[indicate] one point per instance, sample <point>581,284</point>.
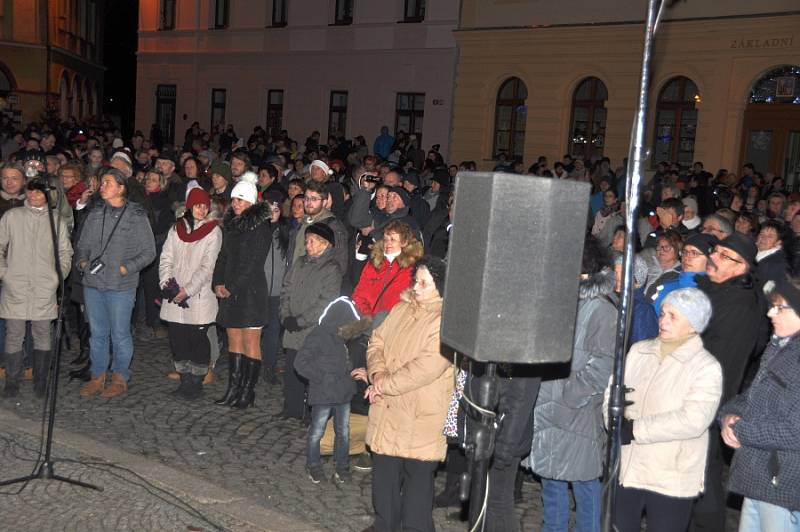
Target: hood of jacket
<point>8,197</point>
<point>339,312</point>
<point>598,284</point>
<point>409,255</point>
<point>430,305</point>
<point>251,218</point>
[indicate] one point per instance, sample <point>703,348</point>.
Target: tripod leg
<point>77,483</point>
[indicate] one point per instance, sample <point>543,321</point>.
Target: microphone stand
<point>636,160</point>
<point>44,470</point>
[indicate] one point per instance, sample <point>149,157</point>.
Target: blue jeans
<point>760,516</point>
<point>555,499</point>
<point>271,335</point>
<point>109,313</point>
<point>341,427</point>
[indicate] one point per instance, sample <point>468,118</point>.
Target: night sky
<point>119,55</point>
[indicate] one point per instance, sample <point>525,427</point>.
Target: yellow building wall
<point>724,57</point>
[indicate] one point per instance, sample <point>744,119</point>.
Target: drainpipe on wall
<point>455,77</point>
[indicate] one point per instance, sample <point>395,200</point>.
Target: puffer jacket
<point>240,267</point>
<point>324,359</point>
<point>191,264</point>
<point>26,263</point>
<point>382,282</point>
<point>568,435</point>
<point>309,285</point>
<point>132,245</point>
<point>767,465</point>
<point>417,383</point>
<point>674,401</point>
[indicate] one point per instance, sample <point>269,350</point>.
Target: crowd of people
<point>323,266</point>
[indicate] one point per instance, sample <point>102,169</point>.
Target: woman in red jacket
<point>388,272</point>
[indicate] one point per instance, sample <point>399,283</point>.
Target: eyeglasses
<point>726,256</point>
<point>665,247</point>
<point>692,253</point>
<point>778,308</point>
<point>312,198</point>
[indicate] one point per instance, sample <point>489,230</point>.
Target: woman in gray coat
<point>568,435</point>
<point>312,282</point>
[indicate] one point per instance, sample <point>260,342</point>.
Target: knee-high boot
<point>13,374</point>
<point>247,395</point>
<point>234,379</point>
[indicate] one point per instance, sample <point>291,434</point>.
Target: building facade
<point>51,56</point>
<point>335,66</point>
<point>548,78</point>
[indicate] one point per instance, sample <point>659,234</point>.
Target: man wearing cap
<point>438,192</point>
<point>30,283</point>
<point>417,207</point>
<point>221,178</point>
<point>735,333</point>
<point>316,204</point>
<point>694,260</point>
<point>397,207</point>
<point>670,217</point>
<point>322,173</point>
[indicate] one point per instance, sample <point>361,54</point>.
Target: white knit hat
<point>244,190</point>
<point>321,165</point>
<point>693,305</point>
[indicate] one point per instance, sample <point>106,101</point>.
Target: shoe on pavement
<point>342,477</point>
<point>117,387</point>
<point>316,474</point>
<point>28,374</point>
<point>363,463</point>
<point>94,386</point>
<point>3,373</point>
<point>174,376</point>
<point>209,378</point>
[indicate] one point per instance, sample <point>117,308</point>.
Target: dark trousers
<point>708,513</point>
<point>151,294</point>
<point>294,388</point>
<point>271,335</point>
<point>500,514</point>
<point>664,513</point>
<point>191,349</point>
<point>402,494</point>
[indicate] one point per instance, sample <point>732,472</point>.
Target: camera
<point>96,266</point>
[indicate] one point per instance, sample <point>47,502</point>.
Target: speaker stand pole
<point>480,446</point>
<point>45,469</point>
<point>636,160</point>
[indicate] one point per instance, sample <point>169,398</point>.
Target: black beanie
<point>743,245</point>
<point>400,191</point>
<point>705,243</point>
<point>323,231</point>
<point>436,267</point>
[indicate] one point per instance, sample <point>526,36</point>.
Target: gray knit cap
<point>639,268</point>
<point>693,305</point>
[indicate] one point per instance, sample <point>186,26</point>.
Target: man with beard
<point>317,203</point>
<point>735,333</point>
<point>240,163</point>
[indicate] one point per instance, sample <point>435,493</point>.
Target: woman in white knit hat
<point>676,388</point>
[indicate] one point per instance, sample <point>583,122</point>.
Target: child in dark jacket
<point>324,361</point>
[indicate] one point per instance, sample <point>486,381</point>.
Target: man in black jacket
<point>736,332</point>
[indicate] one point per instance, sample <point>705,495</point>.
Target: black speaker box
<point>511,293</point>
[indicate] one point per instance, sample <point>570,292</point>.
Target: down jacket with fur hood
<point>240,267</point>
<point>568,434</point>
<point>382,281</point>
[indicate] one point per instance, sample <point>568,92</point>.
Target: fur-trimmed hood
<point>250,219</point>
<point>431,305</point>
<point>410,254</point>
<point>598,284</point>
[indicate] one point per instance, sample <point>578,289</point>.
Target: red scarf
<point>74,194</point>
<point>198,234</point>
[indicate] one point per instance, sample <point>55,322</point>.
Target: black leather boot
<point>41,370</point>
<point>247,397</point>
<point>82,374</point>
<point>13,374</point>
<point>234,379</point>
<point>181,389</point>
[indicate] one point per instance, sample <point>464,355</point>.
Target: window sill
<point>277,25</point>
<point>342,23</point>
<point>415,20</point>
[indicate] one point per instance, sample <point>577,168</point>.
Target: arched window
<point>781,85</point>
<point>588,123</point>
<point>676,122</point>
<point>510,115</point>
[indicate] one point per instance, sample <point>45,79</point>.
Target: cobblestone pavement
<point>252,453</point>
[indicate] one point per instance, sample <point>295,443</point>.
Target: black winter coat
<point>767,466</point>
<point>324,360</point>
<point>772,267</point>
<point>240,267</point>
<point>737,328</point>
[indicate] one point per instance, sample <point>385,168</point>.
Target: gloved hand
<point>290,324</point>
<point>626,434</point>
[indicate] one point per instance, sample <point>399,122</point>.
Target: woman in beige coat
<point>189,305</point>
<point>677,386</point>
<point>411,385</point>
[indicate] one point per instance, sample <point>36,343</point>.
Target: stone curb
<point>204,493</point>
